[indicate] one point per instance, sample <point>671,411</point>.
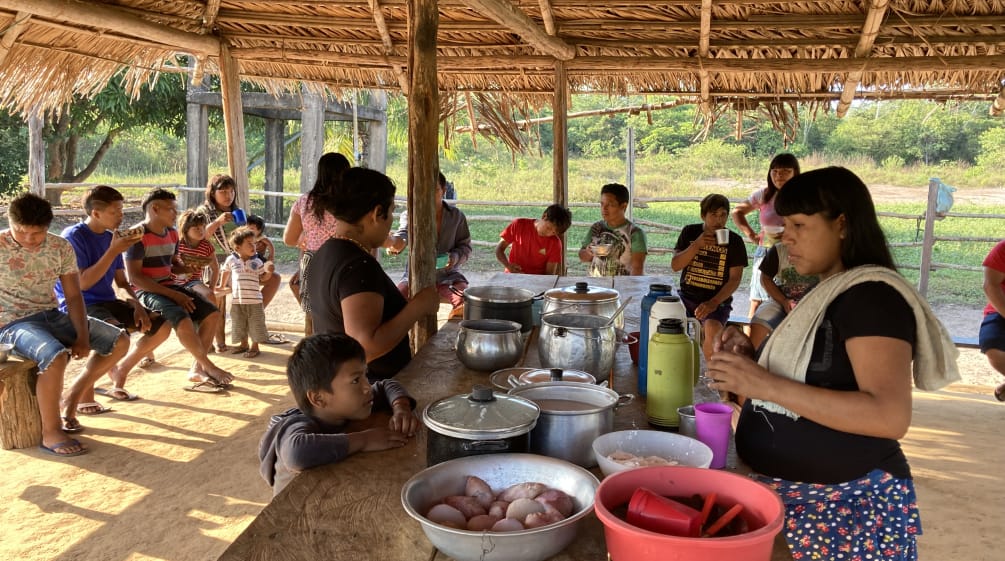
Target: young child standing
<point>244,273</point>
<point>535,246</point>
<point>711,272</point>
<point>327,376</point>
<point>196,253</point>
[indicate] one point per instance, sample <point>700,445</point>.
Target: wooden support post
<point>275,130</point>
<point>20,422</point>
<point>196,146</point>
<point>312,138</point>
<point>36,154</point>
<point>423,153</point>
<point>929,238</point>
<point>233,120</point>
<point>559,153</point>
<point>376,150</point>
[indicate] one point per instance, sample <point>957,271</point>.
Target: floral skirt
<point>874,517</point>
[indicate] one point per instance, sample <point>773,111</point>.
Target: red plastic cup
<point>656,513</point>
<point>633,348</point>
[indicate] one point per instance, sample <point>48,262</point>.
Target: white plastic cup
<point>722,236</point>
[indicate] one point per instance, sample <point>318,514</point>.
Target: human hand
<point>80,348</point>
<point>224,218</point>
<point>382,438</point>
<point>756,237</point>
<point>732,340</point>
<point>185,301</point>
<point>707,239</point>
<point>789,305</point>
<point>513,267</point>
<point>739,374</point>
<point>141,318</point>
<point>122,243</point>
<point>404,421</point>
<point>7,240</point>
<point>428,300</point>
<point>703,309</point>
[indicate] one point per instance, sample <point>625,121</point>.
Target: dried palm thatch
<point>767,54</point>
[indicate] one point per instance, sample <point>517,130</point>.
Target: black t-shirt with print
<point>705,275</point>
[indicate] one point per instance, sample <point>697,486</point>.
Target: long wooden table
<point>352,510</point>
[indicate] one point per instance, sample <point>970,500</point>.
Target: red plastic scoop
<point>656,513</point>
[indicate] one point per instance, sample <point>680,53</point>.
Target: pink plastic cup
<point>713,422</point>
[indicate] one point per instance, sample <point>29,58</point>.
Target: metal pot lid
<point>583,292</point>
<point>595,396</point>
<point>498,294</point>
<point>481,415</point>
<point>562,375</point>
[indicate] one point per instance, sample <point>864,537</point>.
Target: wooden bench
<point>20,421</point>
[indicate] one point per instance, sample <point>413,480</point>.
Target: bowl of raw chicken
<point>500,507</point>
<point>630,449</point>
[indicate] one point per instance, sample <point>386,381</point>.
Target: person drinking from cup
<point>829,394</point>
<point>711,259</point>
<point>614,246</point>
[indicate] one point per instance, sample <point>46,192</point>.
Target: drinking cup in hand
<point>722,236</point>
<point>713,423</point>
<point>239,217</point>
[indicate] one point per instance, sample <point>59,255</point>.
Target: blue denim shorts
<point>173,312</point>
<point>43,336</point>
<point>720,314</point>
<point>992,333</point>
<point>769,314</point>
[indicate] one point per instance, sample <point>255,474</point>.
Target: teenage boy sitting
<point>98,247</point>
<point>535,246</point>
<point>149,265</point>
<point>31,261</point>
<point>711,272</point>
<point>327,375</point>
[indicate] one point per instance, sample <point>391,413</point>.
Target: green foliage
<point>14,148</point>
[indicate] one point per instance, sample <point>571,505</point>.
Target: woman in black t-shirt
<point>830,394</point>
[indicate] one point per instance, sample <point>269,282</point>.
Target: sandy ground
<point>174,476</point>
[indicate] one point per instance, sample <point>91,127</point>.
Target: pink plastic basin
<point>762,509</point>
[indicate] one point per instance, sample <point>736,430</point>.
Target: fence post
<point>929,239</point>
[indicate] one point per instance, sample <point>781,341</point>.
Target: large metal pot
<point>583,298</point>
<point>572,416</point>
<point>500,302</point>
<point>489,344</point>
<point>578,342</point>
<point>481,422</point>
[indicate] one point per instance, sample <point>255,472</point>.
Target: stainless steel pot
<point>572,416</point>
<point>578,342</point>
<point>481,422</point>
<point>583,298</point>
<point>500,302</point>
<point>489,344</point>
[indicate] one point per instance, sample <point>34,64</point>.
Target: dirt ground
<point>173,476</point>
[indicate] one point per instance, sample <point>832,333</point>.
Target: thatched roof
<point>716,51</point>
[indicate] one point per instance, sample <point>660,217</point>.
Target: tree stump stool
<point>20,421</point>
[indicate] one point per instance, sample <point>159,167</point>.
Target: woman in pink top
<point>309,226</point>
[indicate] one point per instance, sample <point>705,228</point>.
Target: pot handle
<point>624,399</point>
<point>624,337</point>
<point>486,446</point>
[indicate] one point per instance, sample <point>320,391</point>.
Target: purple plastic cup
<point>239,217</point>
<point>713,423</point>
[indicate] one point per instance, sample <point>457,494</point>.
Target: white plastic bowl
<point>685,450</point>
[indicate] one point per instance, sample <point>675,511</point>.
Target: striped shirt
<point>157,252</point>
<point>203,250</point>
<point>244,279</point>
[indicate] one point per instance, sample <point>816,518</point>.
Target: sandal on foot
<point>222,348</point>
<point>239,350</point>
<point>1000,393</point>
<point>276,339</point>
<point>72,425</point>
<point>116,393</point>
<point>251,354</point>
<point>54,450</point>
<point>147,362</point>
<point>95,407</point>
<point>206,386</point>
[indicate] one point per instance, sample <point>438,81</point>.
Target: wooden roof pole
<point>510,16</point>
<point>423,154</point>
<point>385,39</point>
<point>104,17</point>
<point>703,40</point>
<point>548,16</point>
<point>233,121</point>
<point>10,36</point>
<point>560,150</point>
<point>873,21</point>
<point>209,15</point>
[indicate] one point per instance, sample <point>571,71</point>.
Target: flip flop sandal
<point>239,350</point>
<point>54,450</point>
<point>72,425</point>
<point>251,354</point>
<point>205,386</point>
<point>147,362</point>
<point>222,348</point>
<point>92,405</point>
<point>276,339</point>
<point>117,394</point>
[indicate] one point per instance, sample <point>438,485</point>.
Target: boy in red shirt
<point>536,244</point>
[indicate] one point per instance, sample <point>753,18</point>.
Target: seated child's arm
<point>503,259</point>
<point>389,393</point>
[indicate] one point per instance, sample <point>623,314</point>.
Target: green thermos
<point>670,373</point>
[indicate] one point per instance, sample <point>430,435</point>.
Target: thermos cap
<point>668,299</point>
<point>671,326</point>
<point>660,288</point>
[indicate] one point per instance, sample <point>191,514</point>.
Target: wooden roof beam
<point>548,17</point>
<point>505,13</point>
<point>388,44</point>
<point>105,17</point>
<point>873,21</point>
<point>703,41</point>
<point>209,15</point>
<point>11,34</point>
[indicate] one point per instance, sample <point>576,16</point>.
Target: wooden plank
<point>507,14</point>
<point>233,120</point>
<point>870,30</point>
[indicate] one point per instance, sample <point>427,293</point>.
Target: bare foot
<point>219,375</point>
<point>252,352</point>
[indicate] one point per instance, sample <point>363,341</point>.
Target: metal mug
<point>687,427</point>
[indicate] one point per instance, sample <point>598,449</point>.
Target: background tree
<point>14,152</point>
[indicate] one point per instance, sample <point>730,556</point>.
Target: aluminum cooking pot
<point>500,302</point>
<point>489,344</point>
<point>572,416</point>
<point>583,298</point>
<point>579,342</point>
<point>482,422</point>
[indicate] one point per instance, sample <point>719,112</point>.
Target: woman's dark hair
<point>28,209</point>
<point>315,362</point>
<point>330,169</point>
<point>834,191</point>
<point>358,192</point>
<point>780,161</point>
<point>217,182</point>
